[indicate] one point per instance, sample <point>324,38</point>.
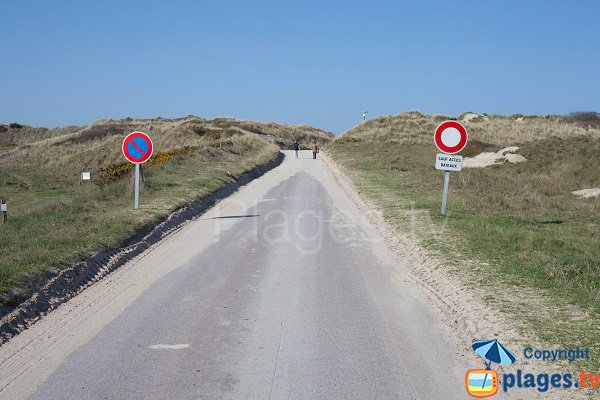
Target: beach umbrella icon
<point>493,351</point>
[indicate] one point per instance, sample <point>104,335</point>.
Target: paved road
<point>281,292</point>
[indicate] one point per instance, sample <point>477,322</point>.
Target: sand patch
<point>587,193</point>
<point>469,116</point>
<point>474,117</point>
<point>169,346</point>
<point>508,154</point>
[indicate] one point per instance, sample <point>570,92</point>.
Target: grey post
<point>4,209</point>
<point>445,195</point>
<point>136,203</point>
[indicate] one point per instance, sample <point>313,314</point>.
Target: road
<point>281,291</point>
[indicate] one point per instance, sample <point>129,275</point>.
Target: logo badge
<point>481,382</point>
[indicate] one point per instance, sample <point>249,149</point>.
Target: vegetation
<point>584,118</point>
<point>54,221</point>
<point>521,220</point>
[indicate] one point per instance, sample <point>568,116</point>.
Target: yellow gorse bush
<point>116,171</point>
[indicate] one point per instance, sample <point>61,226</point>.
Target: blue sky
<point>315,62</point>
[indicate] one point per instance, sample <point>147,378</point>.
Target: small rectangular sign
<point>3,208</point>
<point>448,162</point>
<point>85,176</point>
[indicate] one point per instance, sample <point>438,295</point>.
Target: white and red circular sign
<point>137,147</point>
<point>450,137</point>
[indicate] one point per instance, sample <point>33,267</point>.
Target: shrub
<point>114,172</point>
<point>14,125</point>
<point>208,133</point>
<point>95,132</point>
<point>585,118</point>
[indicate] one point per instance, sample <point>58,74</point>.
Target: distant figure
<point>365,115</point>
<point>315,150</point>
<point>296,147</point>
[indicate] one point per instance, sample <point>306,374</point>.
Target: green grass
<point>522,216</point>
<point>521,220</point>
<point>54,223</point>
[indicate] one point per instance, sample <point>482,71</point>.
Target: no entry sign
<point>450,137</point>
<point>137,147</point>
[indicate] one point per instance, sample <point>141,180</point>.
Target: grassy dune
<point>521,220</point>
<point>54,221</point>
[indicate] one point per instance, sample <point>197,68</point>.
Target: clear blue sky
<point>315,62</point>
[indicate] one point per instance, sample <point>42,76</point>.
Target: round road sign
<point>137,147</point>
<point>450,137</point>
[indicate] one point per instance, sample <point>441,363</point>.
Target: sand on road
<point>282,290</point>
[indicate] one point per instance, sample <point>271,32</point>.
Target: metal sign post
<point>137,148</point>
<point>445,194</point>
<point>136,201</point>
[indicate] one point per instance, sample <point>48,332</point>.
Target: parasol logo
<point>483,383</point>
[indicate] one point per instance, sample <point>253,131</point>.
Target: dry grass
<point>11,136</point>
<point>416,128</point>
<point>284,134</point>
<point>96,147</point>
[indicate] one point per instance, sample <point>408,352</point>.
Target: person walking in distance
<point>315,150</point>
<point>296,147</point>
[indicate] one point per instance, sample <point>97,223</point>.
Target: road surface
<point>281,291</point>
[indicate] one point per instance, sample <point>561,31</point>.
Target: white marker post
<point>4,211</point>
<point>85,176</point>
<point>450,137</point>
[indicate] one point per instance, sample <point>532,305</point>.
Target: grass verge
<point>53,221</point>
